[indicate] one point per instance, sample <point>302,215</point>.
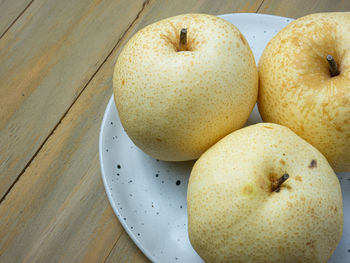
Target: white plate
<point>149,196</point>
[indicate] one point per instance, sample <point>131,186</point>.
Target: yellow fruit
<point>175,104</point>
<point>297,90</point>
<point>235,216</point>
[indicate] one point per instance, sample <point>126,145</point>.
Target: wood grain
<point>163,9</point>
<point>58,210</point>
<point>139,257</point>
<point>298,8</point>
<point>47,58</point>
<point>10,10</point>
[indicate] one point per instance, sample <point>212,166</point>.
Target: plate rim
<point>103,125</point>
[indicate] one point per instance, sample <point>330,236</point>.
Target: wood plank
<point>47,57</point>
<point>83,222</point>
<point>10,11</point>
<point>298,8</point>
<point>139,256</point>
<point>164,9</point>
<point>58,210</point>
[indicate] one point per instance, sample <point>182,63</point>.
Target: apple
<point>183,83</point>
<point>304,76</point>
<point>263,194</point>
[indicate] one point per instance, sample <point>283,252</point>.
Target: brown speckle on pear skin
<point>311,244</point>
<point>313,164</point>
<point>298,178</point>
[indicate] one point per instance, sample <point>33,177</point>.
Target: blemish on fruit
<point>159,140</point>
<point>313,164</point>
<point>248,190</point>
<point>267,127</point>
<point>311,244</point>
<point>298,178</point>
<point>282,162</point>
<point>123,82</point>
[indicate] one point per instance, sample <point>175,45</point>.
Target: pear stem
<point>183,39</point>
<point>333,68</point>
<point>277,184</point>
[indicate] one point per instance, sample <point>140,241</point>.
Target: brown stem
<point>277,184</point>
<point>333,68</point>
<point>183,39</point>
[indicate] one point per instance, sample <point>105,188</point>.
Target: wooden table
<point>56,63</point>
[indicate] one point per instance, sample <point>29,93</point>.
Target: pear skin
<point>175,102</point>
<point>297,89</point>
<point>238,213</point>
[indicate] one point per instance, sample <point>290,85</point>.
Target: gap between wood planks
<point>257,10</point>
<point>14,21</point>
<point>144,4</point>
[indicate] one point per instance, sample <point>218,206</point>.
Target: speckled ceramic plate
<point>149,196</point>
